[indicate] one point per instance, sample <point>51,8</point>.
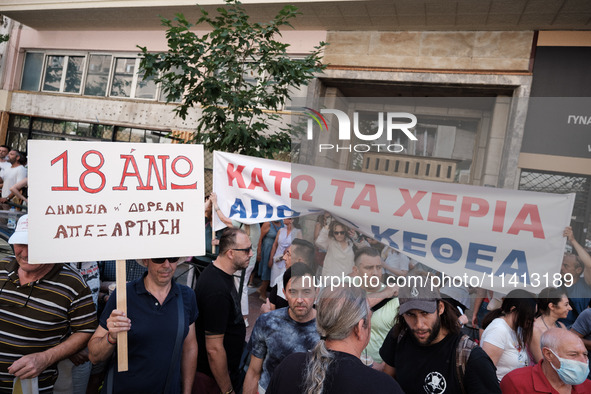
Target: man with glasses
<point>46,315</point>
<point>160,321</point>
<point>220,326</point>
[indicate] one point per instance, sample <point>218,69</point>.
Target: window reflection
<point>97,76</point>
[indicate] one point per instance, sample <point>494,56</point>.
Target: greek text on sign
<point>103,201</point>
<point>456,229</point>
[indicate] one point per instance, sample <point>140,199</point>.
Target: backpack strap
<point>380,304</point>
<point>463,351</point>
<point>177,342</point>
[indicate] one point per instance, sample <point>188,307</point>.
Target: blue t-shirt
<point>151,338</point>
<point>275,336</point>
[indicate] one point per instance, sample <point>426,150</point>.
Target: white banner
<point>495,238</point>
<point>107,201</point>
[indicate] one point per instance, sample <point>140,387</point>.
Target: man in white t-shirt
<point>395,263</point>
<point>4,154</point>
<point>11,175</point>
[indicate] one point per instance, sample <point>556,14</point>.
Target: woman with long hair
<point>333,366</point>
<point>553,304</point>
<point>507,331</point>
<point>282,241</point>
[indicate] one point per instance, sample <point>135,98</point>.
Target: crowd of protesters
<point>62,319</point>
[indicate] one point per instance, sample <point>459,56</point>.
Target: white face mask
<point>571,372</point>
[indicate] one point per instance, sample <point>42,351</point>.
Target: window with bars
<point>21,128</point>
<point>561,183</point>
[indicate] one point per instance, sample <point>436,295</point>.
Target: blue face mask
<point>571,372</point>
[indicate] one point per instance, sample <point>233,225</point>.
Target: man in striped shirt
<point>46,315</point>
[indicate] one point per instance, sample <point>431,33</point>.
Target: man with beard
<point>300,251</point>
<point>220,326</point>
<point>12,174</point>
<point>427,332</point>
<point>284,331</point>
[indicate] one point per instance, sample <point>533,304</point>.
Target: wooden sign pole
<point>122,306</point>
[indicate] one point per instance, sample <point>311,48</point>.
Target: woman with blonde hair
<point>335,239</point>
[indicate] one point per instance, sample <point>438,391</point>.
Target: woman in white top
<point>282,241</point>
<point>553,304</point>
<point>508,330</point>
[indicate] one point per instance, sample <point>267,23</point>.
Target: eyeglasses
<point>245,250</point>
<point>171,260</point>
<point>338,232</point>
<point>10,303</point>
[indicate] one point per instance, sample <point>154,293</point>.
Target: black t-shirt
<point>277,300</point>
<point>432,369</point>
<point>219,313</point>
<point>346,374</point>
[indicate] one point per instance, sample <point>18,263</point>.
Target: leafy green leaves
<point>238,73</point>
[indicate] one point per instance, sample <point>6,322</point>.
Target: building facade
<point>469,71</point>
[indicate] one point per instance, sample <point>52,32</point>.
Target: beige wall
<point>154,40</point>
<point>501,51</point>
<point>564,38</point>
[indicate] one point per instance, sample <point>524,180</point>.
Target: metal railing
<point>429,168</point>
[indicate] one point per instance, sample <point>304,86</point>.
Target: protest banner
<point>498,239</point>
<point>243,183</point>
<point>93,201</point>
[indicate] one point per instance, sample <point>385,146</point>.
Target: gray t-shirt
<point>275,336</point>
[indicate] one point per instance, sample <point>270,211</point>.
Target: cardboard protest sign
<point>499,239</point>
<point>106,201</point>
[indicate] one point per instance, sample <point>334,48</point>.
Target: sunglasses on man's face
<point>171,260</point>
<point>245,250</point>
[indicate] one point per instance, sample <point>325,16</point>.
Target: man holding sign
<point>40,305</point>
<point>162,341</point>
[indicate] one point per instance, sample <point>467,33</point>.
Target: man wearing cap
<point>427,332</point>
<point>160,322</point>
<point>46,315</point>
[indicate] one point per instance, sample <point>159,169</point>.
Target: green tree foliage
<point>3,37</point>
<point>239,73</point>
